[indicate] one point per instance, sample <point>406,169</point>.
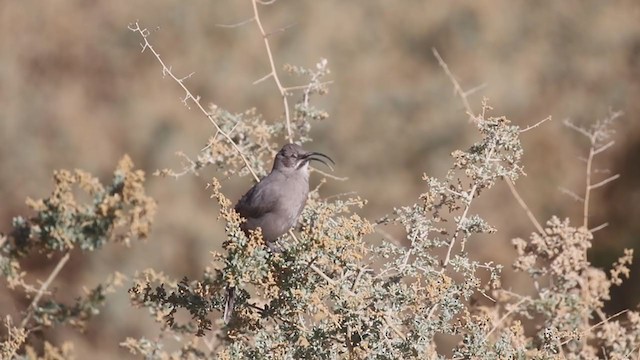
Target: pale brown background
<point>75,92</point>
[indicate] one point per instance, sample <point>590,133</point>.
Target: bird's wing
<point>259,200</point>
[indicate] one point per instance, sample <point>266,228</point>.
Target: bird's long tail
<point>228,306</point>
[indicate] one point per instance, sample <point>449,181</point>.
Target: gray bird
<point>275,203</point>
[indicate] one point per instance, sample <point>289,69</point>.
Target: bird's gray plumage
<point>275,203</point>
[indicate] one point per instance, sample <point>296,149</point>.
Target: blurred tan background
<point>75,92</point>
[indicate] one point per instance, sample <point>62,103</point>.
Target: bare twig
<point>459,227</point>
<point>475,89</point>
<point>43,288</point>
<point>505,316</point>
<point>571,194</point>
<point>318,271</point>
<point>274,74</point>
<point>600,323</point>
<point>282,29</point>
<point>603,147</point>
<point>330,280</point>
<point>238,24</point>
<point>536,124</point>
<point>144,33</point>
<point>604,182</point>
<point>599,227</point>
<point>335,196</point>
<point>263,78</point>
<point>456,85</point>
<point>587,192</point>
<point>361,271</point>
<point>524,206</point>
<point>463,97</point>
<point>393,327</point>
<point>580,130</point>
<point>329,175</point>
<point>322,275</point>
<point>596,135</point>
<point>304,87</point>
<point>486,296</point>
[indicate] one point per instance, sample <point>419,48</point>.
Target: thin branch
<point>604,182</point>
<point>432,311</point>
<point>600,323</point>
<point>455,192</point>
<point>322,275</point>
<point>505,316</point>
<point>536,124</point>
<point>571,194</point>
<point>326,277</point>
<point>329,175</point>
<point>460,222</point>
<point>335,196</point>
<point>282,29</point>
<point>524,206</point>
<point>628,354</point>
<point>393,327</point>
<point>456,85</point>
<point>213,139</point>
<point>187,77</point>
<point>601,171</point>
<point>281,89</point>
<point>304,87</point>
<point>188,95</point>
<point>595,136</point>
<point>599,227</point>
<point>603,147</point>
<point>463,97</point>
<point>587,192</point>
<point>263,78</point>
<point>361,271</point>
<point>238,24</point>
<point>487,296</point>
<point>580,130</point>
<point>330,280</point>
<point>405,262</point>
<point>475,89</point>
<point>317,270</point>
<point>43,288</point>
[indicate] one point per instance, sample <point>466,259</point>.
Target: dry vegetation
<point>372,278</point>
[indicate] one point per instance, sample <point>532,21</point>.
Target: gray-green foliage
<point>342,287</point>
<point>62,222</point>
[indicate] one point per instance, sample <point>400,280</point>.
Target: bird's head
<point>292,158</point>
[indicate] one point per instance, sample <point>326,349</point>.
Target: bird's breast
<point>293,200</point>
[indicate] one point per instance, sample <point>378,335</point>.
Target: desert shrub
<point>118,212</point>
<point>342,287</point>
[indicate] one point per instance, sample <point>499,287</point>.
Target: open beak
<point>319,157</point>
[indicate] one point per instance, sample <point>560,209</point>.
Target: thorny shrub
<point>119,212</point>
<point>341,288</point>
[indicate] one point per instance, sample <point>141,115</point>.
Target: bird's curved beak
<point>319,157</point>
